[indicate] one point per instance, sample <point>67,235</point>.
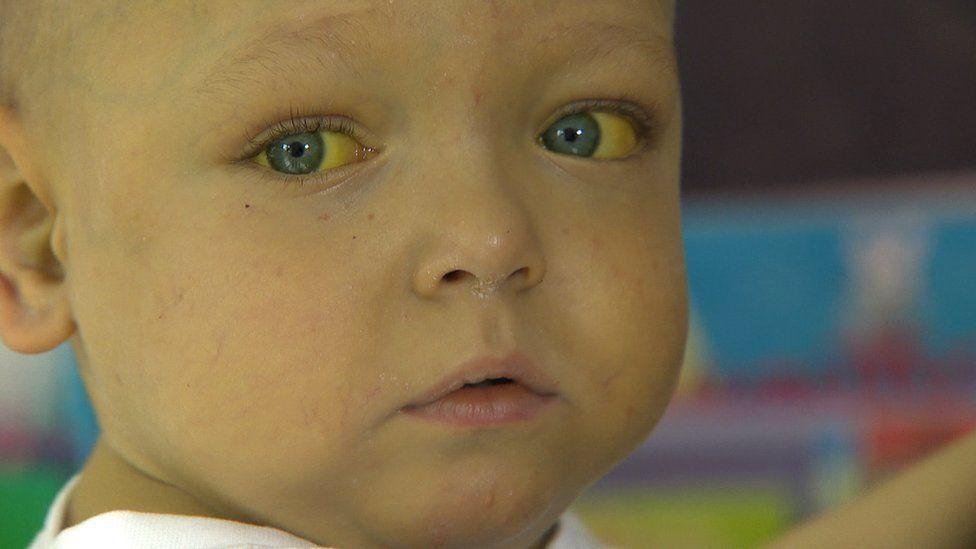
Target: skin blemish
<point>305,413</point>
<point>597,243</point>
<point>639,284</point>
<point>372,393</point>
<point>369,216</point>
<point>247,205</point>
<point>220,348</point>
<point>477,95</point>
<point>325,216</point>
<point>174,303</point>
<point>495,9</point>
<point>629,412</point>
<point>610,379</point>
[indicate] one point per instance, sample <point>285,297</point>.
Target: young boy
<point>350,273</point>
<point>281,237</point>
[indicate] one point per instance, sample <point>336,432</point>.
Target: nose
<point>505,261</point>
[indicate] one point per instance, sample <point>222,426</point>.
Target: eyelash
<point>300,121</point>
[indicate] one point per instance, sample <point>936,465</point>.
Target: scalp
<point>33,39</point>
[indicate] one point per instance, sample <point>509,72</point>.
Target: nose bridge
<point>465,153</point>
<point>481,235</point>
<point>482,227</point>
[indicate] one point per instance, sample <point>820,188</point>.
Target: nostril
<point>453,275</point>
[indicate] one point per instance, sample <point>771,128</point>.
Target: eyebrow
<point>327,42</point>
<point>339,44</point>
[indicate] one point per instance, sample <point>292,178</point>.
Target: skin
<point>247,346</point>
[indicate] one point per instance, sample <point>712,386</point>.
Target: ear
<point>35,315</point>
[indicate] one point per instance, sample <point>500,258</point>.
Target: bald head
<point>35,40</point>
<point>40,42</point>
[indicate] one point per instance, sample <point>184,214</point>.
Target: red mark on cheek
<point>496,10</point>
<point>305,413</point>
<point>369,216</point>
<point>220,348</point>
<point>611,379</point>
<point>174,303</point>
<point>597,243</point>
<point>372,393</point>
<point>477,95</point>
<point>325,216</point>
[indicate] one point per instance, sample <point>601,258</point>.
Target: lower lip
<point>483,406</point>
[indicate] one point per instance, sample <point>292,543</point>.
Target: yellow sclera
<point>340,149</point>
<point>617,135</point>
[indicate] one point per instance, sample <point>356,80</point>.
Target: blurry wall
<point>784,93</point>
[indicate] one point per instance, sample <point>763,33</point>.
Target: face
<point>273,248</point>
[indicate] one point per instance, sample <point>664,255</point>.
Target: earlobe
<point>35,314</point>
<point>34,325</point>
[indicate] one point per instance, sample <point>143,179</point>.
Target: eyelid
<point>646,123</point>
<point>301,124</point>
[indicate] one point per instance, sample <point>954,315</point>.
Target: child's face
<point>253,341</point>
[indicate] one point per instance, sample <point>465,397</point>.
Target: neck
<point>109,482</point>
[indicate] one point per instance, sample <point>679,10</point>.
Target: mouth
<point>487,392</point>
<point>490,382</point>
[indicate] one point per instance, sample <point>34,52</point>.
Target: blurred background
<point>829,177</point>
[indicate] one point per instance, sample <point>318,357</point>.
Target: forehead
<point>221,46</point>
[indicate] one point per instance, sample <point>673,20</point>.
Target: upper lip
<point>516,366</point>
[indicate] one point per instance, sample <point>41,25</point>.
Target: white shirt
<point>134,529</point>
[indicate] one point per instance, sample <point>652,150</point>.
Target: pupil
<point>297,148</point>
<point>571,134</point>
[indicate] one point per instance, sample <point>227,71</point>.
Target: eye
<point>597,133</point>
<point>304,147</point>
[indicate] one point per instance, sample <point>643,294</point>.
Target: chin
<point>486,509</point>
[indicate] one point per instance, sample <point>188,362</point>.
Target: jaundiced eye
<point>593,134</point>
<point>304,153</point>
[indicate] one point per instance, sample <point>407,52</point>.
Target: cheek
<point>650,326</point>
<point>239,346</point>
<point>635,332</point>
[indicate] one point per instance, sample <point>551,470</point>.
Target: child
<point>281,236</point>
<point>351,273</point>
